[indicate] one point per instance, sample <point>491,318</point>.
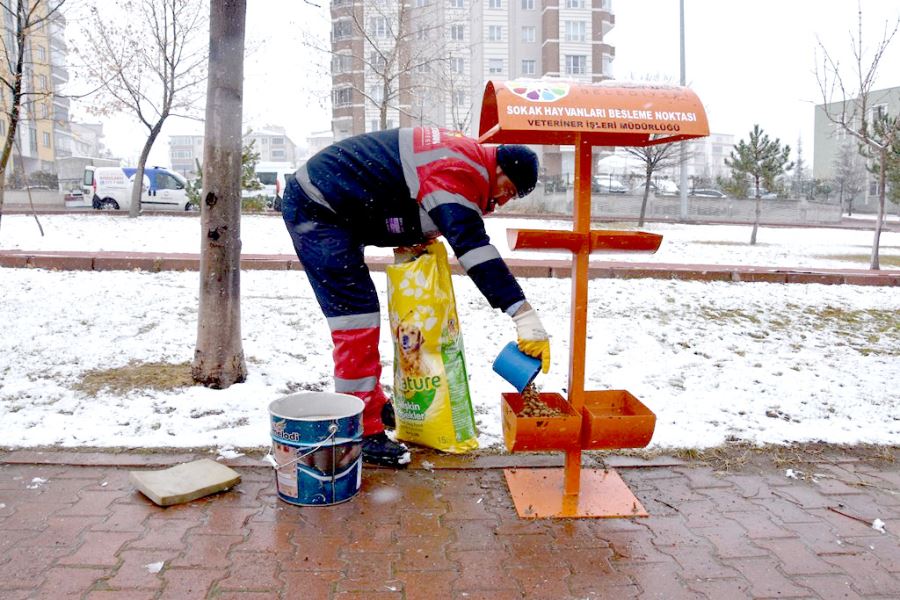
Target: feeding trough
<point>583,115</point>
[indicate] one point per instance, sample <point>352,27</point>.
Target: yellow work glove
<point>533,338</point>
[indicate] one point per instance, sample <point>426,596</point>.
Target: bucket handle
<point>332,431</point>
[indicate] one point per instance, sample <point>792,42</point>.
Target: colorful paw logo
<point>538,91</point>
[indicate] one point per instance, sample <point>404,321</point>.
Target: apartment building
<point>43,131</point>
<point>271,143</point>
<point>830,139</point>
<point>63,141</point>
<point>185,152</point>
<point>425,62</point>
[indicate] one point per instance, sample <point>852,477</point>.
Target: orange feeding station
<point>582,115</point>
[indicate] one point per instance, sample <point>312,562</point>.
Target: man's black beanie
<point>520,164</point>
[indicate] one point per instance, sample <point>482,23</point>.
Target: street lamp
<point>683,148</point>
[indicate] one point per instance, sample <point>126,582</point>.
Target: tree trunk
<point>219,356</point>
<point>137,189</point>
<point>756,215</point>
<point>879,221</point>
<point>644,201</point>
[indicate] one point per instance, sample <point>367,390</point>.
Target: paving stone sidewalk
<point>71,526</point>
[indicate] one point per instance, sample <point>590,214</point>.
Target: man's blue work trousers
<point>334,263</point>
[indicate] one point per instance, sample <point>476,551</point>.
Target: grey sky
<point>749,62</point>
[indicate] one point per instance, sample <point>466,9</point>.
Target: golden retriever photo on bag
<point>409,340</point>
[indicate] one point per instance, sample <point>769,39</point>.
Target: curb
<point>561,269</point>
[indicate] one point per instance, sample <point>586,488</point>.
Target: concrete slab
<point>185,482</point>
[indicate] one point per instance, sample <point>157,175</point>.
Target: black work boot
<point>379,449</point>
<point>387,415</point>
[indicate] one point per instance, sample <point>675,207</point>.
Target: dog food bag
<point>431,387</point>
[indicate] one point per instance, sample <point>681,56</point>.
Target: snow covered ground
<point>766,363</point>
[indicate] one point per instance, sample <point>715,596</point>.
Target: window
<point>457,4</point>
<point>457,65</point>
<point>422,34</point>
<point>494,4</point>
<point>421,3</point>
<point>527,4</point>
<point>377,61</point>
<point>278,154</point>
<point>459,98</point>
<point>574,3</point>
<point>182,154</point>
<point>495,33</point>
<point>457,33</point>
<point>341,63</point>
<point>342,30</point>
<point>574,31</point>
<point>495,65</point>
<point>41,53</point>
<point>378,27</point>
<point>343,96</point>
<point>528,67</point>
<point>528,33</point>
<point>46,137</point>
<point>576,64</point>
<point>45,112</point>
<point>42,82</point>
<point>879,112</point>
<point>164,181</point>
<point>278,141</point>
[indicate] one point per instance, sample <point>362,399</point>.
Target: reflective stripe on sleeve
<point>475,257</point>
<point>347,322</point>
<point>309,188</point>
<point>363,384</point>
<point>407,161</point>
<point>440,197</point>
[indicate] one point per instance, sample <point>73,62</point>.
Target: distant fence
<point>42,198</point>
<point>628,207</point>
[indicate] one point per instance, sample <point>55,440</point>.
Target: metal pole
<point>683,149</point>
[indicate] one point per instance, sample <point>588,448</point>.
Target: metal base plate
<point>538,494</point>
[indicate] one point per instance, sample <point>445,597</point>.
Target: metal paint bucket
<point>316,447</point>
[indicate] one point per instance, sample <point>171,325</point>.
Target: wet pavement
<point>750,525</point>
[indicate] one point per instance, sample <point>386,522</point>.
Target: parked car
<point>110,188</point>
<point>764,194</point>
<point>661,188</point>
<point>606,185</point>
<point>705,193</point>
<point>273,177</point>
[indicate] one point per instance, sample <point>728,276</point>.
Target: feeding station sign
<point>583,115</point>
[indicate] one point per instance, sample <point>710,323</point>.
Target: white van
<point>272,175</point>
<point>110,188</point>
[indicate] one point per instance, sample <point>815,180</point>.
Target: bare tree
<point>403,55</point>
<point>654,158</point>
<point>151,63</point>
<point>23,22</point>
<point>219,356</point>
<point>849,106</point>
<point>849,175</point>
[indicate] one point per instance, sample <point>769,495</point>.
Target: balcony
<point>607,21</point>
<point>60,75</point>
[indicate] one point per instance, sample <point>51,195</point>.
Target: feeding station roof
<point>568,113</point>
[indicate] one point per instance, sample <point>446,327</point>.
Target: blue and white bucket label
<point>317,443</point>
